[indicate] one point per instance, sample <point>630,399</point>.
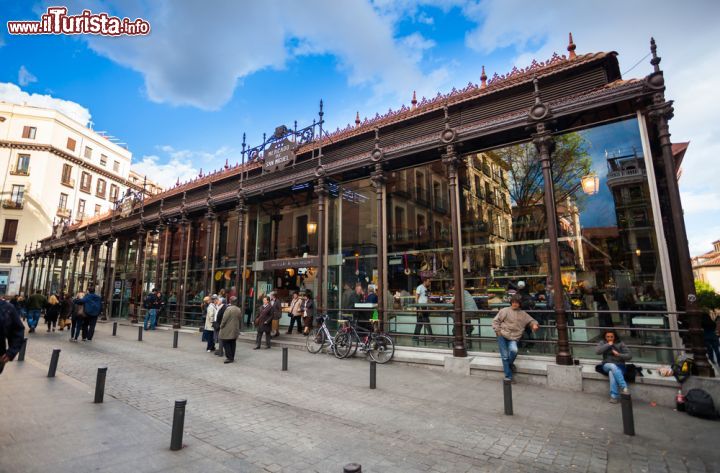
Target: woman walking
<point>78,315</point>
<point>66,309</point>
<point>52,312</point>
<point>308,311</point>
<point>615,354</point>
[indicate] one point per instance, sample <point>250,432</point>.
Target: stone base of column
<point>458,365</point>
<point>566,378</point>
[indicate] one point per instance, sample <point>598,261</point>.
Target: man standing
<point>92,305</point>
<point>509,325</point>
<point>263,321</point>
<point>12,330</point>
<point>230,329</point>
<point>276,312</point>
<point>423,317</point>
<point>35,304</point>
<point>152,302</point>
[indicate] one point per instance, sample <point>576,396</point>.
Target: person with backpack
<point>151,304</point>
<point>614,355</point>
<point>93,306</point>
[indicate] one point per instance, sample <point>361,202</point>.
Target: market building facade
<point>557,182</point>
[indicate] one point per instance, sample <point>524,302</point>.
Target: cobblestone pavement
<point>320,415</point>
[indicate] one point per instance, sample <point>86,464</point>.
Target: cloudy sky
<point>182,97</point>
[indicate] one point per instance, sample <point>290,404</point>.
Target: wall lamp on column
<point>311,228</point>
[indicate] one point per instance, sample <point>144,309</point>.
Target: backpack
<point>93,305</point>
<point>699,403</point>
<point>682,368</point>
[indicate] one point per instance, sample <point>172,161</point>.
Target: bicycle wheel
<point>315,340</point>
<point>382,349</point>
<point>343,345</point>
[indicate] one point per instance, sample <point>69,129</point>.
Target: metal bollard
<point>178,424</point>
<point>21,355</point>
<point>627,414</point>
<point>53,363</point>
<point>507,396</point>
<point>352,468</point>
<point>140,329</point>
<point>175,338</point>
<point>373,384</point>
<point>114,329</point>
<point>100,385</point>
<point>284,358</point>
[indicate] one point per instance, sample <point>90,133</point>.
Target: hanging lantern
<point>590,183</point>
<point>311,228</point>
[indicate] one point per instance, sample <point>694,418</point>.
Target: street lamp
<point>311,228</point>
<point>590,183</point>
<point>19,257</point>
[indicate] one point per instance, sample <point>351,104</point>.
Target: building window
<point>85,182</point>
<point>100,191</point>
<point>98,209</point>
<point>62,205</point>
<point>10,231</point>
<point>5,255</point>
<point>81,209</point>
<point>22,166</point>
<point>71,143</point>
<point>88,152</point>
<point>103,160</point>
<point>29,132</point>
<point>116,166</point>
<point>66,176</point>
<point>114,192</point>
<point>18,192</point>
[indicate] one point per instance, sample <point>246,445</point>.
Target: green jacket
<point>36,302</point>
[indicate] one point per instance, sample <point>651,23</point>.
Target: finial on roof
<point>655,61</point>
<point>571,48</point>
<point>177,183</point>
<point>201,173</point>
<point>227,166</point>
<point>483,78</point>
<point>357,118</point>
<point>414,100</point>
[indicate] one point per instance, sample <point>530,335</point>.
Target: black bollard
<point>284,358</point>
<point>352,467</point>
<point>114,329</point>
<point>627,414</point>
<point>373,384</point>
<point>507,396</point>
<point>100,385</point>
<point>175,338</point>
<point>178,425</point>
<point>53,363</point>
<point>140,329</point>
<point>21,355</point>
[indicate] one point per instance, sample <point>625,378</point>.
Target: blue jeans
<point>150,319</point>
<point>617,379</point>
<point>33,317</point>
<point>508,353</point>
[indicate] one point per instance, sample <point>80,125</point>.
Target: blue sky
<point>182,97</point>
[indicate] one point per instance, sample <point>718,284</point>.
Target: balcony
<point>19,172</point>
<point>69,182</point>
<point>63,213</point>
<point>626,176</point>
<point>12,204</point>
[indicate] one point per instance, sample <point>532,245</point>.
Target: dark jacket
<point>605,349</point>
<point>276,309</point>
<point>309,308</point>
<point>230,326</point>
<point>52,311</point>
<point>219,317</point>
<point>12,330</point>
<point>36,302</point>
<point>264,317</point>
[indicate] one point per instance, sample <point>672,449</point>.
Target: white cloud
<point>699,202</point>
<point>25,77</point>
<point>182,164</point>
<point>10,92</point>
<point>197,51</point>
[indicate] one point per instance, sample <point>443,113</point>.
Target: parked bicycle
<point>319,337</point>
<point>379,346</point>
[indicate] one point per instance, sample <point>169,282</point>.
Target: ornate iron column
<point>28,278</point>
<point>182,283</point>
<point>452,163</point>
<point>168,256</point>
<point>378,179</point>
<point>544,143</point>
<point>38,283</point>
<point>160,267</point>
<point>660,112</point>
<point>49,273</point>
<point>107,278</point>
<point>86,252</point>
<point>95,255</point>
<point>140,268</point>
<point>63,269</point>
<point>24,261</point>
<point>322,191</point>
<point>209,232</point>
<point>239,276</point>
<point>71,288</point>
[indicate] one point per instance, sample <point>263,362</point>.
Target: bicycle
<point>379,346</point>
<point>318,337</point>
